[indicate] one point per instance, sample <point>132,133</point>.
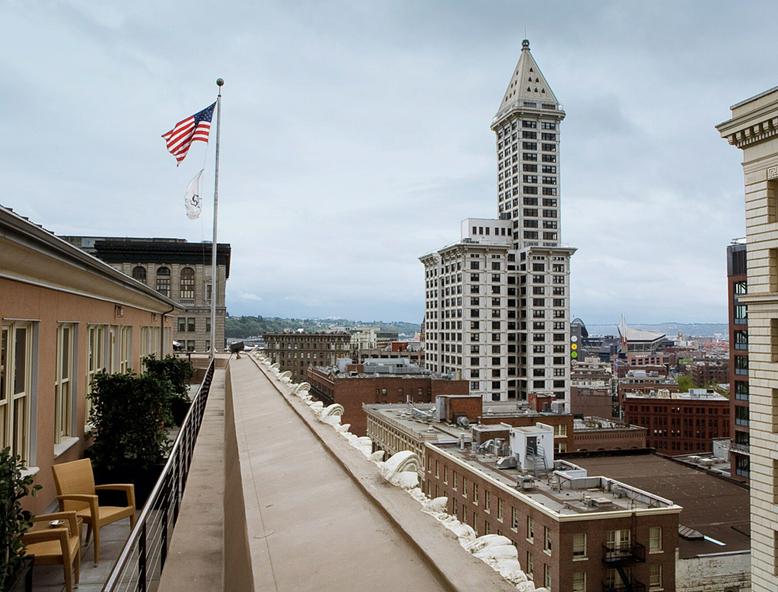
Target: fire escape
<point>621,556</point>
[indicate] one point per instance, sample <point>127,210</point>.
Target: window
<point>654,576</point>
<point>579,581</point>
<point>139,273</point>
<point>499,509</point>
<point>15,386</point>
<point>487,501</point>
<point>181,324</point>
<point>190,324</point>
<point>475,493</point>
<point>547,575</point>
<point>530,529</point>
<point>125,348</point>
<point>514,518</point>
<point>655,539</point>
<point>547,539</point>
<point>163,281</point>
<point>529,565</point>
<point>63,383</point>
<point>187,284</point>
<point>579,545</point>
<point>95,359</point>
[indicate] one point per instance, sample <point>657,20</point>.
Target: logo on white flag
<point>192,197</point>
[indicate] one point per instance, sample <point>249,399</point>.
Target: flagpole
<point>214,285</point>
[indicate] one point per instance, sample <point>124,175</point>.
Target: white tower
<point>497,302</point>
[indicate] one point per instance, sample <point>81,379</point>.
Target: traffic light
<point>574,347</point>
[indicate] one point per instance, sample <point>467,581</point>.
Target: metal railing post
<point>142,558</point>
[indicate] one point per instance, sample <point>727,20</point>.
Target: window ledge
<point>30,471</point>
<point>656,552</point>
<point>580,558</point>
<point>65,445</point>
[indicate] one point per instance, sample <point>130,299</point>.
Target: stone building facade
<point>753,128</point>
<point>297,352</point>
<point>175,268</point>
<point>497,307</point>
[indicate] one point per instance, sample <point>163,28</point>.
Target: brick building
<point>709,372</point>
<point>737,287</point>
<point>573,532</point>
<point>359,385</point>
<point>714,526</point>
<point>592,434</point>
<point>679,423</point>
<point>297,352</point>
<point>175,268</point>
<point>591,400</point>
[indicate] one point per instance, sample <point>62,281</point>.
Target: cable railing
<point>139,566</point>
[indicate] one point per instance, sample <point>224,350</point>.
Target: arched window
<point>139,273</point>
<point>187,284</point>
<point>163,281</point>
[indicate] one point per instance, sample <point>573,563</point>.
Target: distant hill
<point>247,326</point>
<point>670,329</point>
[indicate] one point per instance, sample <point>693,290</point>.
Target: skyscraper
<point>497,302</point>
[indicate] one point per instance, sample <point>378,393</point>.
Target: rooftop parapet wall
<point>373,525</point>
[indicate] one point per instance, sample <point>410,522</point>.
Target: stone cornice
<point>751,128</point>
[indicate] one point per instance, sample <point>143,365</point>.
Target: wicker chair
<point>56,546</point>
<point>76,491</point>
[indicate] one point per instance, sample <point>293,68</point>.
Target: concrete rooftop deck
<point>300,508</point>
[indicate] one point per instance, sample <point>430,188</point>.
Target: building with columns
<point>175,268</point>
<point>497,305</point>
<point>753,128</point>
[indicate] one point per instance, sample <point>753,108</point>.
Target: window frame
<point>20,441</point>
<point>65,386</point>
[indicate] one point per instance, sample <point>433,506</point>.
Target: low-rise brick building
<point>574,531</point>
<point>708,372</point>
<point>384,382</point>
<point>679,423</point>
<point>296,352</point>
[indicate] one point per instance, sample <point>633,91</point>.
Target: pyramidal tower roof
<point>527,83</point>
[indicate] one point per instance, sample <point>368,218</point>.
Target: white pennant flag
<point>192,197</point>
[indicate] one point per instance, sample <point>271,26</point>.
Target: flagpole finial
<point>220,82</point>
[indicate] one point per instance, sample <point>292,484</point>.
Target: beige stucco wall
<point>47,308</point>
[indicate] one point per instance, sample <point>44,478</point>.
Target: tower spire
<point>526,84</point>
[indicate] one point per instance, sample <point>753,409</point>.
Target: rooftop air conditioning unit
<point>618,492</point>
<point>526,482</point>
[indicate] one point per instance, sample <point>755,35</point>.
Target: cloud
<point>356,137</point>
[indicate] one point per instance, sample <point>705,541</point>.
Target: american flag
<point>192,129</point>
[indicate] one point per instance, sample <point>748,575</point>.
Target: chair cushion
<point>51,551</point>
<point>107,513</point>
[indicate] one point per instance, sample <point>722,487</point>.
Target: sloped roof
<point>527,83</point>
<point>632,334</point>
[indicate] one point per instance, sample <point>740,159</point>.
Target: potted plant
<point>15,567</point>
<point>128,416</point>
<point>179,372</point>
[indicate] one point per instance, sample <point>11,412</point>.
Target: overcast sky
<point>356,137</point>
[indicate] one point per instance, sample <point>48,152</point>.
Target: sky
<point>356,137</point>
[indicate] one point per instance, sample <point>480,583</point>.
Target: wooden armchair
<point>76,491</point>
<point>56,546</point>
